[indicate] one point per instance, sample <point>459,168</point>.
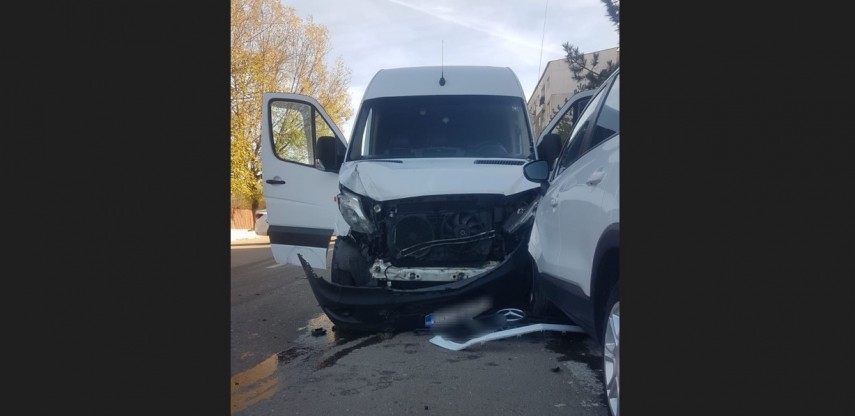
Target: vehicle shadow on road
<point>252,242</point>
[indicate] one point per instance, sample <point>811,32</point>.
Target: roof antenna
<point>540,61</point>
<point>442,67</point>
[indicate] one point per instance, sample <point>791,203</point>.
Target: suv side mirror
<point>536,171</point>
<point>330,153</point>
<point>548,149</point>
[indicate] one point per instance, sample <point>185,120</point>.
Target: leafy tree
<point>582,71</point>
<point>564,126</point>
<point>274,50</point>
<point>613,11</point>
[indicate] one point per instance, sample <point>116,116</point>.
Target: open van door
<point>557,132</point>
<point>301,152</point>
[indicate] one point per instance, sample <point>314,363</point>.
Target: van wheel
<point>611,351</point>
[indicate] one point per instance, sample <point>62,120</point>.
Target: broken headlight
<point>520,217</point>
<point>351,210</point>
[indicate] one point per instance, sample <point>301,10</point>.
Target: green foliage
<point>565,124</point>
<point>290,131</point>
<point>613,12</point>
<point>585,73</point>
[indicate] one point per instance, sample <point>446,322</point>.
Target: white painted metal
<point>383,181</point>
<point>317,257</point>
<point>459,80</point>
<point>454,346</point>
<point>306,198</point>
<point>573,218</point>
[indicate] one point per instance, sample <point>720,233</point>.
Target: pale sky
<point>370,35</point>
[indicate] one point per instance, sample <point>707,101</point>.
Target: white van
<point>428,202</point>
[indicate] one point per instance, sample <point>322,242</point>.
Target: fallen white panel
<point>454,346</point>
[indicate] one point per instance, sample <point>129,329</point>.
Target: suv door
<point>299,191</point>
<point>576,191</point>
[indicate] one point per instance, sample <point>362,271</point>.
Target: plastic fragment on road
<point>454,346</point>
<point>319,332</point>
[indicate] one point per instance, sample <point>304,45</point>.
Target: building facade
<point>556,85</point>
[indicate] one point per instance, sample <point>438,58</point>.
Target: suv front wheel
<point>611,351</point>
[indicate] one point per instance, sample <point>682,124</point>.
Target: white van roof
<point>459,80</point>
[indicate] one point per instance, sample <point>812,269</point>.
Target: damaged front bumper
<point>387,309</point>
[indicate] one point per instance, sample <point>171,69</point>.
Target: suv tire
<point>611,351</point>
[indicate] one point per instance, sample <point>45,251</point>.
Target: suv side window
<point>573,149</point>
<point>608,122</point>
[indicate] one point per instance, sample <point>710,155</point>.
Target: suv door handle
<point>276,181</point>
<point>553,201</point>
<point>596,177</point>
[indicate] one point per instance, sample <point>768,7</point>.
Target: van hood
<point>388,179</point>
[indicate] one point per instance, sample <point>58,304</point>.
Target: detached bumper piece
<point>372,309</point>
<point>439,340</point>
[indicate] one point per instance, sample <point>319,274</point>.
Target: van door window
<point>292,128</point>
<point>565,125</point>
<point>573,149</point>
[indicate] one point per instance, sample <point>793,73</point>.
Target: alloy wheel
<point>611,358</point>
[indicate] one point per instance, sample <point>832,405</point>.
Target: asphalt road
<point>279,367</point>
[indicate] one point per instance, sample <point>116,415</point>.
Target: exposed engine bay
<point>418,242</point>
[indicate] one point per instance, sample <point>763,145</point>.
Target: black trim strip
<point>382,160</point>
<point>499,162</point>
<point>570,298</point>
<point>601,288</point>
<point>299,236</point>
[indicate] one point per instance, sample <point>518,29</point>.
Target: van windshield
<point>478,126</point>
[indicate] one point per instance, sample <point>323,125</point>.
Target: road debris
<point>317,332</point>
<point>454,346</point>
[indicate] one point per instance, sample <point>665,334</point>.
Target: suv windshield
<point>441,126</point>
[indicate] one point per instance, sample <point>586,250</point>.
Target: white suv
<point>575,238</point>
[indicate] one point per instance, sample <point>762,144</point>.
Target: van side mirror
<point>548,149</point>
<point>330,153</point>
<point>536,171</point>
